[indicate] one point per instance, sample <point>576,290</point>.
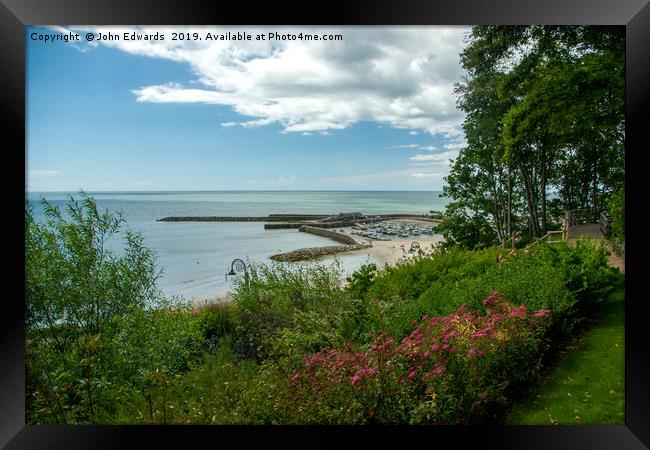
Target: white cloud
<point>399,76</point>
<point>445,156</point>
<point>426,174</point>
<point>413,133</point>
<point>406,146</point>
<point>283,180</point>
<point>417,146</point>
<point>455,145</point>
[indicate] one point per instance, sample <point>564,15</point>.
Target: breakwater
<point>269,218</point>
<point>290,220</point>
<point>338,237</point>
<point>303,254</point>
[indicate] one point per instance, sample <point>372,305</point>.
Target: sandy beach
<point>391,252</point>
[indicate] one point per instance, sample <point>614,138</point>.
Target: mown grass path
<point>587,385</point>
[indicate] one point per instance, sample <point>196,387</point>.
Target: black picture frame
<point>15,15</point>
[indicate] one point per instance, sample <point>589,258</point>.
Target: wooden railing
<point>605,224</point>
<point>547,236</point>
<point>511,239</point>
<point>580,216</point>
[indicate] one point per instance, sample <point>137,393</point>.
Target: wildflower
<point>518,312</point>
<point>355,379</point>
<point>438,369</point>
<point>411,374</point>
<point>448,336</point>
<point>482,333</point>
<point>426,354</point>
<point>542,313</point>
<point>475,352</point>
<point>493,298</point>
<point>294,379</point>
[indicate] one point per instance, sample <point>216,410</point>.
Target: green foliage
<point>434,214</point>
<point>617,212</point>
<point>467,231</point>
<point>214,323</point>
<point>71,278</point>
<point>96,324</point>
<point>585,271</point>
<point>145,360</point>
<point>452,369</point>
<point>544,109</point>
<point>269,298</point>
<point>361,280</point>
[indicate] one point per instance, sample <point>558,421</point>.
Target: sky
<point>373,111</point>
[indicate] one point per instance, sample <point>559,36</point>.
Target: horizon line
<point>227,190</point>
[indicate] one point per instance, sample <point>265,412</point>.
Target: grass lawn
<point>587,386</point>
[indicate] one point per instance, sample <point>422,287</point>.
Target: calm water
<point>196,255</point>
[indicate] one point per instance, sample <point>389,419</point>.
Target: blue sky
<point>374,112</point>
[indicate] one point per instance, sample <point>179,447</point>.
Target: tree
<point>544,111</point>
<point>75,288</point>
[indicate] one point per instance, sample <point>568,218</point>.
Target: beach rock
<point>303,254</point>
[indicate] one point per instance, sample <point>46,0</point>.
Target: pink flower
<point>411,374</point>
<point>518,312</point>
<point>482,333</point>
<point>475,352</point>
<point>493,298</point>
<point>355,380</point>
<point>294,379</point>
<point>426,354</point>
<point>439,369</point>
<point>542,313</point>
<point>448,336</point>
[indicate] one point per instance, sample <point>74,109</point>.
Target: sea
<point>196,256</point>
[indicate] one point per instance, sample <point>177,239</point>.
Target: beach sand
<point>391,252</point>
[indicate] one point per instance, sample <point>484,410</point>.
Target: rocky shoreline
<point>303,254</point>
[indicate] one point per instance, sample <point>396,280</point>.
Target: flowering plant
<point>448,369</point>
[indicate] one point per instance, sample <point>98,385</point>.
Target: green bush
<point>454,369</point>
<point>104,347</point>
<point>270,298</point>
<point>96,325</point>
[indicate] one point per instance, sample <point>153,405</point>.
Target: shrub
<point>214,322</point>
<point>617,211</point>
<point>74,289</point>
<point>270,298</point>
<point>448,370</point>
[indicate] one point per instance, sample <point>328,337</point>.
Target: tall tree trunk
<point>543,188</point>
<point>594,192</point>
<point>530,200</point>
<point>510,201</point>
